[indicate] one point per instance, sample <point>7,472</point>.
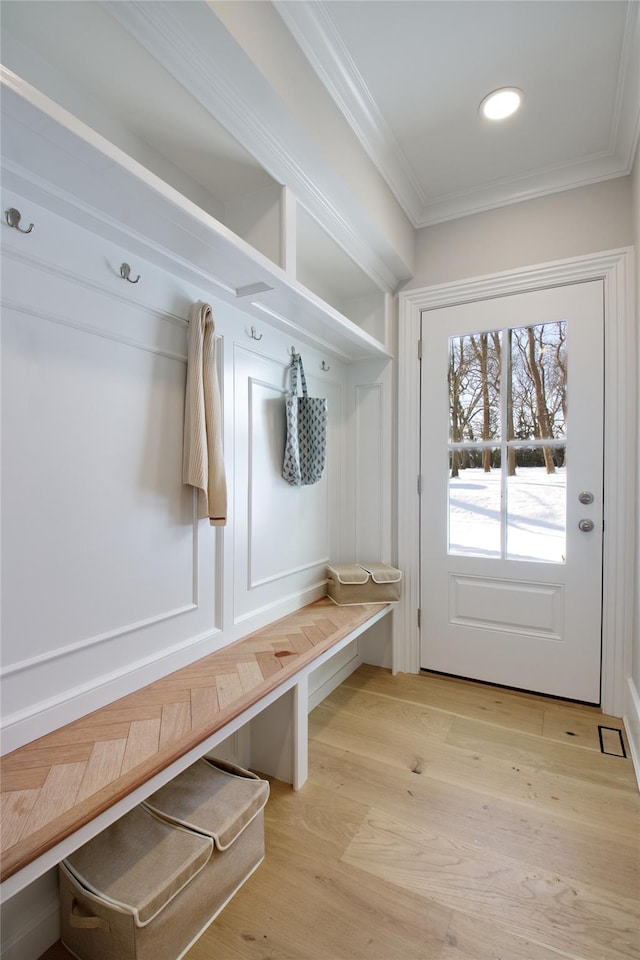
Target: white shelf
<point>55,159</point>
<point>324,267</point>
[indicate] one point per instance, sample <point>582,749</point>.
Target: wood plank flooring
<point>443,820</point>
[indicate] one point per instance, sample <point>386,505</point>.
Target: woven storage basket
<point>147,886</point>
<point>352,583</point>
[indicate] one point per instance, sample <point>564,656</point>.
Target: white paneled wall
<point>284,535</point>
<point>105,569</point>
<point>370,387</point>
<point>109,581</point>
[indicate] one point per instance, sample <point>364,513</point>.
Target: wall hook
<point>125,270</point>
<point>323,366</point>
<point>254,335</point>
<point>292,351</point>
<point>13,218</point>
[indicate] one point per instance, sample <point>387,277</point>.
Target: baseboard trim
<point>36,936</point>
<point>328,685</point>
<point>632,724</point>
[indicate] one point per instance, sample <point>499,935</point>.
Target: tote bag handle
<point>296,366</point>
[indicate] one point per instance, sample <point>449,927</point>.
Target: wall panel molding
<point>66,651</point>
<point>259,615</point>
<point>102,637</point>
<point>301,568</point>
<point>257,471</point>
<point>370,470</point>
<point>33,721</point>
<point>282,534</point>
<point>95,331</point>
<point>129,587</point>
<point>96,286</point>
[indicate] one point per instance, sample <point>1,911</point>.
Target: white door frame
<point>616,269</point>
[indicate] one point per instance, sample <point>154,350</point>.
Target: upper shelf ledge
<point>72,170</point>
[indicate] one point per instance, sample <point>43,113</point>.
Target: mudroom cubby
<point>218,174</point>
<point>109,580</point>
<point>120,254</point>
<point>324,267</point>
<point>51,156</point>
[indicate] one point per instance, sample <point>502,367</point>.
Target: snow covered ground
<point>535,514</point>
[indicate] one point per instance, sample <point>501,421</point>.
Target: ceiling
<point>409,76</point>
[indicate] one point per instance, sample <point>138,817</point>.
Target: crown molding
<point>552,180</point>
<point>625,128</point>
<point>313,29</point>
<point>315,33</point>
<point>194,46</point>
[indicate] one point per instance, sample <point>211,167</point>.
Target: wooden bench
<point>64,788</point>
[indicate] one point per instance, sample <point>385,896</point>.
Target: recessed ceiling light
<point>501,103</point>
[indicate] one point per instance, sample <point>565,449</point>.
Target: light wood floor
<point>444,820</point>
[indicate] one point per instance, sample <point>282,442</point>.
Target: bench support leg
<point>279,737</point>
<point>301,733</point>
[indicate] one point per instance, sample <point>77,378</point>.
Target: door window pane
<point>474,502</point>
<point>516,509</point>
<point>538,384</point>
<point>474,387</point>
<point>536,504</point>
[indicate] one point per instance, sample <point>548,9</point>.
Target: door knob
<point>585,497</point>
<point>586,525</point>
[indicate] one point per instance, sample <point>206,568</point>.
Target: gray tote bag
<point>305,449</point>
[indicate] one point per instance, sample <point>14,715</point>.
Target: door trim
<point>615,269</point>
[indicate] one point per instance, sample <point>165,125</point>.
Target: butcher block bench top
<point>54,785</point>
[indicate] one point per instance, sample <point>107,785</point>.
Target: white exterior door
<point>512,490</point>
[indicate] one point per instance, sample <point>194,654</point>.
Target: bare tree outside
<point>507,417</point>
<point>474,396</point>
<point>539,376</point>
<point>536,395</point>
<point>487,356</point>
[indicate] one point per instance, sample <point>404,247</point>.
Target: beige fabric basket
<point>147,886</point>
<point>213,797</point>
<point>353,583</point>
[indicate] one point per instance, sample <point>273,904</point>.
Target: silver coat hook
<point>254,335</point>
<point>323,366</point>
<point>13,218</point>
<point>125,271</point>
